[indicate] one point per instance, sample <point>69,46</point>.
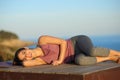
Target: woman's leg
<point>84,60</point>
<point>105,54</point>
<point>84,45</point>
<point>100,52</point>
<point>112,58</point>
<point>86,54</point>
<point>114,53</point>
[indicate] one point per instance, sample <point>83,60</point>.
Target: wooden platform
<point>102,71</point>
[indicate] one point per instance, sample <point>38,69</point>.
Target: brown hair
<point>16,60</point>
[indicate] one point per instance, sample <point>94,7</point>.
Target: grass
<point>8,48</point>
<point>9,43</point>
<point>6,53</point>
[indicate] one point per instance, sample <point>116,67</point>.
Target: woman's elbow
<point>42,39</point>
<point>26,64</point>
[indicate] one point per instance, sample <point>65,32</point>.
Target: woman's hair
<point>16,60</point>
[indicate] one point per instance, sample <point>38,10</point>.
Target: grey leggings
<point>85,52</point>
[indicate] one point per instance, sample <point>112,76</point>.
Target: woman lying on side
<point>52,50</point>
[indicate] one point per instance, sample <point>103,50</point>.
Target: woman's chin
<point>29,58</point>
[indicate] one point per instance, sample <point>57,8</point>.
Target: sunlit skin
<point>30,57</point>
<point>29,54</point>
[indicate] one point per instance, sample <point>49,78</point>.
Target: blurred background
<point>29,19</point>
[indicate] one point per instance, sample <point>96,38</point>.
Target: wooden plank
<point>36,76</point>
<point>109,74</point>
<point>64,71</point>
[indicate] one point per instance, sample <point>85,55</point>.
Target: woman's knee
<point>101,52</point>
<point>79,59</point>
<point>84,60</point>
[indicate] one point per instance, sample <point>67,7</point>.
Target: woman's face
<point>25,54</point>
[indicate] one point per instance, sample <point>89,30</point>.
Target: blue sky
<point>61,18</point>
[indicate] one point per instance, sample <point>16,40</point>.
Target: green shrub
<point>6,52</point>
<point>5,35</point>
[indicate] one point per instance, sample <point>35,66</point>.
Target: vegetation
<point>6,53</point>
<point>8,41</point>
<point>5,35</point>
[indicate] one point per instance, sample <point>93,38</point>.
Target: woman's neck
<point>38,52</point>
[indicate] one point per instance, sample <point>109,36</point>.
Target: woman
<point>51,50</point>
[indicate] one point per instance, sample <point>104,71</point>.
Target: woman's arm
<point>54,40</point>
<point>35,62</point>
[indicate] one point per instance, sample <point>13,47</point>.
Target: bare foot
<point>115,58</point>
<point>118,61</point>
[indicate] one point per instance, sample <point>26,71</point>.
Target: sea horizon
<point>111,42</point>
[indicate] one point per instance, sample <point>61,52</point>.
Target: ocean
<point>111,42</point>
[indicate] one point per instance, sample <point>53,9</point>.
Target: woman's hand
<point>57,62</point>
<point>53,40</point>
<point>35,62</point>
